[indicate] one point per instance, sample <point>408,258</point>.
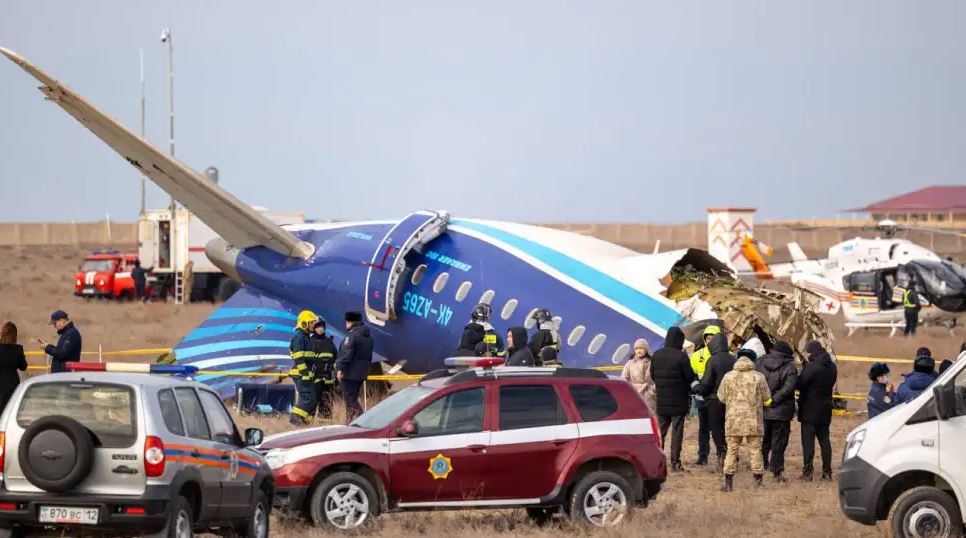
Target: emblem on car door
<point>233,465</point>
<point>440,467</point>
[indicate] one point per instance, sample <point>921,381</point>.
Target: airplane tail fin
<point>232,219</point>
<point>250,333</point>
<point>797,253</point>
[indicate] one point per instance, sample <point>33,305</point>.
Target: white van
<point>908,465</point>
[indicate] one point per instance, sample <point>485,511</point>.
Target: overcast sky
<point>519,110</point>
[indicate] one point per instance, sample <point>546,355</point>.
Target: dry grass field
<point>35,281</point>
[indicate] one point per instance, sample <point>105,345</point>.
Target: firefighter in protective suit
<point>323,369</point>
<point>479,337</point>
<point>303,356</point>
<point>545,343</point>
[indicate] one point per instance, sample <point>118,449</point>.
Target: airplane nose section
<point>224,256</point>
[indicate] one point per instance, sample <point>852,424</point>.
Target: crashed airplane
<point>417,278</point>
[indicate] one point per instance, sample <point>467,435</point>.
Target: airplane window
<point>596,344</point>
<point>621,354</point>
<point>487,296</point>
<point>576,335</point>
<point>508,308</point>
<point>440,282</point>
<point>530,322</point>
<point>463,291</point>
<point>418,274</point>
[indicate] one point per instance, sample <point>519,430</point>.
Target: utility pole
<point>143,181</point>
<point>178,265</point>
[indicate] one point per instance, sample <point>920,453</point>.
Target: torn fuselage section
<point>781,312</point>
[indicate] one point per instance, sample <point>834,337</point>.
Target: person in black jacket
<point>778,366</point>
<point>323,368</point>
<point>140,277</point>
<point>12,358</point>
<point>720,363</point>
<point>517,351</point>
<point>479,338</point>
<point>545,342</point>
<point>815,387</point>
<point>353,362</point>
<point>68,348</point>
<point>674,378</point>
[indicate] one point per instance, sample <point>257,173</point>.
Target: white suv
<point>111,452</point>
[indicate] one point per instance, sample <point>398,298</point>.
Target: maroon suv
<point>549,440</point>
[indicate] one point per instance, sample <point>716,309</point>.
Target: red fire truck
<point>105,274</point>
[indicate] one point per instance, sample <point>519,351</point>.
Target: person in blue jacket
<point>922,376</point>
<point>882,395</point>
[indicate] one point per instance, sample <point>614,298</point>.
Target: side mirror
<point>945,398</point>
<point>408,429</point>
<point>254,437</point>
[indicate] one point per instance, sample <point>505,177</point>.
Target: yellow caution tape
<point>126,352</point>
<point>851,358</point>
<point>850,397</point>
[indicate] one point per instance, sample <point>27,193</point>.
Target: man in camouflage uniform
<point>744,392</point>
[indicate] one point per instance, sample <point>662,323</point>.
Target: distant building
<point>942,205</point>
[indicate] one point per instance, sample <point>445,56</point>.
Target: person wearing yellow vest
<point>911,306</point>
<point>699,360</point>
<point>302,373</point>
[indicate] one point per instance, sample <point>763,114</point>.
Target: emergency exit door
<point>388,262</point>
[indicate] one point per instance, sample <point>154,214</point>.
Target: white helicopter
<point>866,279</point>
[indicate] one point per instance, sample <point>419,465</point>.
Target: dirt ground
<point>35,281</point>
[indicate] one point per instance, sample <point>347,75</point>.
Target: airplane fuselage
<point>514,268</point>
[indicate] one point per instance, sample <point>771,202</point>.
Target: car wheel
<point>601,499</point>
<point>257,525</point>
<point>541,516</point>
<point>56,453</point>
<point>344,501</point>
<point>925,511</point>
<point>180,522</point>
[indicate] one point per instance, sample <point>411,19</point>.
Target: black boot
<point>759,481</point>
<point>719,467</point>
<point>700,462</point>
<point>780,477</point>
<point>729,483</point>
<point>827,476</point>
<point>806,474</point>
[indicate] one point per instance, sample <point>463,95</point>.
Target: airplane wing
<point>228,216</point>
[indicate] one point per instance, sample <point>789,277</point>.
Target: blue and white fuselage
<point>588,283</point>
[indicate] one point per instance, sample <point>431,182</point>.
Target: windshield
<point>106,410</point>
<point>100,266</point>
<point>388,410</point>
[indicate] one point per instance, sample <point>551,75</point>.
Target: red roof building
<point>943,204</point>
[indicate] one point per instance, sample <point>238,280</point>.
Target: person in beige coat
<point>637,372</point>
<point>744,393</point>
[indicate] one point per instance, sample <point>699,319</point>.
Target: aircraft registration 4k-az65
<point>417,279</point>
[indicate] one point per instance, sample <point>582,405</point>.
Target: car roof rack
<point>436,374</point>
<point>475,374</point>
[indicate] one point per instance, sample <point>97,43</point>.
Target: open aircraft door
<point>388,262</point>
